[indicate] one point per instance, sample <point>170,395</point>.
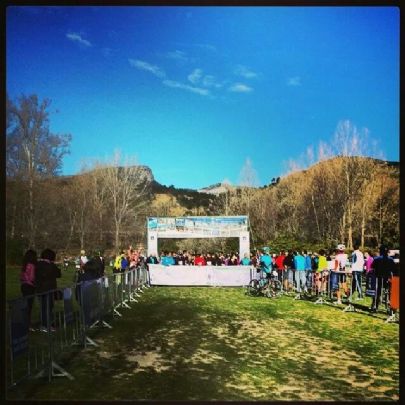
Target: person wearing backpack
<point>357,260</point>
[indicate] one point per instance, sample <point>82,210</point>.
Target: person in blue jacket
<point>300,274</point>
<point>266,262</point>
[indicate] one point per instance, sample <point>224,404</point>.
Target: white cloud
<point>195,76</point>
<point>210,81</point>
<point>142,65</point>
<point>73,36</point>
<point>245,72</point>
<point>294,81</point>
<point>240,88</point>
<point>178,55</point>
<point>177,85</point>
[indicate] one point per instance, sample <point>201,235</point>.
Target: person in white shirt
<point>357,270</point>
<point>340,265</point>
<point>83,259</point>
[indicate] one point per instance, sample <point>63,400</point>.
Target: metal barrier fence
<point>40,336</point>
<point>325,290</point>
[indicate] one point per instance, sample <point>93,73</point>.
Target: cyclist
<point>266,263</point>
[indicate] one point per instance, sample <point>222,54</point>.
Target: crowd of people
<point>299,271</point>
<point>39,277</point>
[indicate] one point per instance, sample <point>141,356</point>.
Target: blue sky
<point>193,92</point>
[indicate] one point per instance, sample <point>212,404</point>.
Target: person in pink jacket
<point>27,279</point>
<point>368,261</point>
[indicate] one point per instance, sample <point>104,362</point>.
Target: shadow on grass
<point>209,344</point>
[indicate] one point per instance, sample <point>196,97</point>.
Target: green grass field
<point>219,344</point>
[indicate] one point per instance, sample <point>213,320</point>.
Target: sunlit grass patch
<point>219,344</point>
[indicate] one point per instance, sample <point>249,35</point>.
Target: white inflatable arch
<point>199,227</point>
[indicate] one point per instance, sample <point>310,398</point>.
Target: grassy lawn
<point>219,344</point>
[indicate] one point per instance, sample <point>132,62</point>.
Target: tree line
<point>343,197</point>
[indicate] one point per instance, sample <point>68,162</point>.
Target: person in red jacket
<point>279,264</point>
<point>199,260</point>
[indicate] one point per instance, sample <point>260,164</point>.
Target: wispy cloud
<point>240,88</point>
<point>245,72</point>
<point>142,65</point>
<point>178,85</point>
<point>210,81</point>
<point>195,76</point>
<point>177,55</point>
<point>75,37</point>
<point>294,81</point>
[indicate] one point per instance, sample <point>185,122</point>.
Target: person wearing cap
<point>383,267</point>
<point>265,262</point>
<point>340,266</point>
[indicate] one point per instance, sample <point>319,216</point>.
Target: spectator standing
<point>308,270</point>
<point>384,268</point>
<point>133,259</point>
<point>124,262</point>
<point>117,263</point>
<point>300,273</point>
<point>321,272</point>
<point>46,273</point>
<point>266,262</point>
<point>99,260</point>
<point>27,279</point>
<point>357,260</point>
<point>368,261</point>
<point>199,260</point>
<point>233,261</point>
<point>180,258</point>
<point>91,271</point>
<point>340,265</point>
<point>83,259</point>
<point>216,261</point>
<point>152,259</point>
<point>279,264</point>
<point>289,272</point>
<point>246,260</point>
<point>167,259</point>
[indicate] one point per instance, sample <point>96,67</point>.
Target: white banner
<point>226,276</point>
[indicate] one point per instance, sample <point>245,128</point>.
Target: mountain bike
<point>265,286</point>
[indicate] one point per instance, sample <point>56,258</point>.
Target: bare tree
<point>127,189</point>
<point>33,152</point>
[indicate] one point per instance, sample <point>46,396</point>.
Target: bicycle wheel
<point>253,287</point>
<point>277,288</point>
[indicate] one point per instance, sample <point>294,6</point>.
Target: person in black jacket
<point>46,273</point>
<point>99,260</point>
<point>289,272</point>
<point>384,268</point>
<point>91,271</point>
